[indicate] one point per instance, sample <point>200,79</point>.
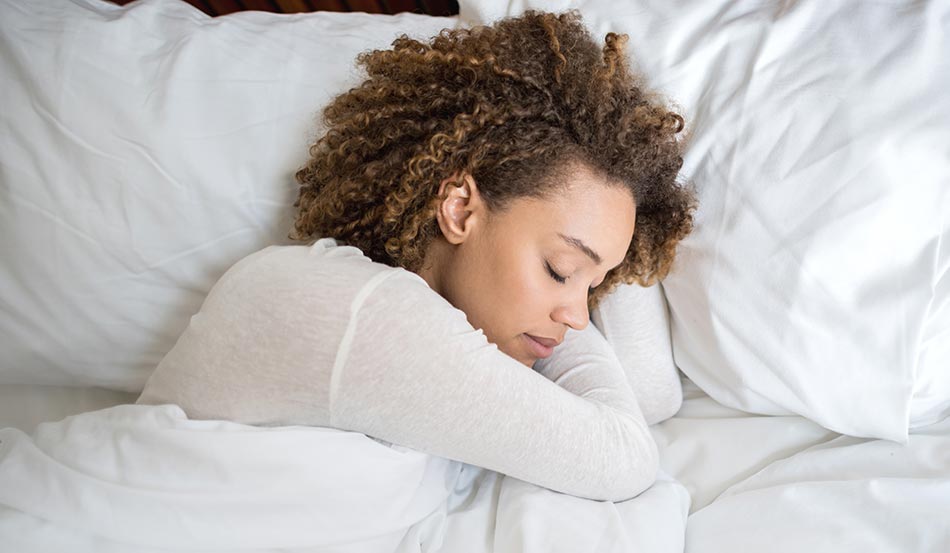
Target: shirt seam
<point>343,350</point>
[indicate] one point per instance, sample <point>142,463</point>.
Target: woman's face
<point>503,271</point>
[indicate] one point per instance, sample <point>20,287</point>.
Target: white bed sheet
<point>844,495</point>
<point>785,484</point>
<point>709,447</point>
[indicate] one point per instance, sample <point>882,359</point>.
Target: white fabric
<point>321,335</point>
<point>846,495</point>
<point>143,150</point>
<point>783,483</point>
<point>709,447</point>
<point>77,225</point>
<point>185,135</point>
<point>828,488</point>
<point>139,478</point>
<point>24,406</point>
<point>109,474</point>
<point>814,280</point>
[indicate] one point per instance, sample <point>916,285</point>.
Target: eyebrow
<point>577,243</point>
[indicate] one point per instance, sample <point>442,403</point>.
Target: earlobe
<point>456,207</point>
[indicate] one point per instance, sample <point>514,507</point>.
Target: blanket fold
<point>148,475</point>
<point>145,478</point>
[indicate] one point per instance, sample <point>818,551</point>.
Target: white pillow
<point>143,151</point>
<point>817,280</point>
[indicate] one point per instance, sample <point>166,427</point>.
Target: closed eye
<point>554,275</point>
<point>560,279</point>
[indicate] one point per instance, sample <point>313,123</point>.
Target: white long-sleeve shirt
<point>321,335</point>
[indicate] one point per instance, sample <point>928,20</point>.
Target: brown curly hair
<point>513,104</point>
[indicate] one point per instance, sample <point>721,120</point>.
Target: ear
<point>461,207</point>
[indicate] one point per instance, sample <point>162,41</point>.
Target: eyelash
<point>560,279</point>
<point>554,275</point>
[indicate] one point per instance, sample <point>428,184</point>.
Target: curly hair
<point>513,104</point>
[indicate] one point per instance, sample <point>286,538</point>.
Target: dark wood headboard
<point>222,7</point>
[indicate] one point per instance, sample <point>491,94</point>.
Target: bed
<point>145,148</point>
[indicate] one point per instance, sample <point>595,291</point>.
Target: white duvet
<point>145,478</point>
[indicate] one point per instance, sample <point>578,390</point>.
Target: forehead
<point>602,216</point>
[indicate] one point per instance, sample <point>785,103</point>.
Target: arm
<point>636,323</point>
<point>418,374</point>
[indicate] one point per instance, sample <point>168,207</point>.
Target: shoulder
<point>402,304</point>
<point>324,273</point>
<point>406,294</point>
<point>325,254</point>
<point>327,277</point>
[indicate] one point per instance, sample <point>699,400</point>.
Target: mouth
<point>537,348</point>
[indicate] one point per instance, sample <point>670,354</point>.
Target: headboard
<point>222,7</point>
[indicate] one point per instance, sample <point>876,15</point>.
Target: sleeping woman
<point>470,204</point>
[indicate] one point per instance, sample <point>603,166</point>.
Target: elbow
<point>675,402</point>
<point>644,475</point>
<point>668,407</point>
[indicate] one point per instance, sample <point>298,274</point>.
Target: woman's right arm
<point>411,370</point>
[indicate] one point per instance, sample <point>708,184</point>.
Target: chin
<point>527,361</point>
<point>523,360</point>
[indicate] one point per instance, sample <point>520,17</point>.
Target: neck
<point>431,270</point>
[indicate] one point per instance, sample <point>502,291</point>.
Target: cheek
<point>508,293</point>
<point>526,290</point>
<point>491,291</point>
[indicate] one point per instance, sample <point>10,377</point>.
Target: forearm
<point>635,322</point>
<point>437,385</point>
<point>587,366</point>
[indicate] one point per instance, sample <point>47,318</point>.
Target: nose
<point>575,314</point>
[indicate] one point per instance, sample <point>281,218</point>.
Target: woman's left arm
<point>635,321</point>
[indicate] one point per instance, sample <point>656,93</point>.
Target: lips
<point>549,342</point>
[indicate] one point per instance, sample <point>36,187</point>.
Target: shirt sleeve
<point>411,370</point>
<point>635,322</point>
